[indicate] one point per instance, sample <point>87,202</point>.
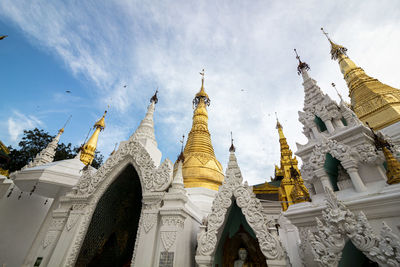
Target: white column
<point>339,123</point>
<point>329,126</point>
<point>315,131</point>
<point>356,179</point>
<point>323,176</point>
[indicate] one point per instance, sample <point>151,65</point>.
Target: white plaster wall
<point>20,221</point>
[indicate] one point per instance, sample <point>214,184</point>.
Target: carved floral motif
<point>339,224</point>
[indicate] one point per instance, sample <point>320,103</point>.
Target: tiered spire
<point>201,168</point>
<point>371,100</point>
<point>292,189</point>
<point>146,127</point>
<point>46,155</point>
<point>87,151</point>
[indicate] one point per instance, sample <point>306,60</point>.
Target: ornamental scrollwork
<point>153,179</point>
<point>339,224</point>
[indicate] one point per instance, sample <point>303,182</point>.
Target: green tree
<point>34,141</point>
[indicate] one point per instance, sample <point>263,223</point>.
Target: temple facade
<point>340,208</point>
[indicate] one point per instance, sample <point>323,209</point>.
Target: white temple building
<point>340,209</point>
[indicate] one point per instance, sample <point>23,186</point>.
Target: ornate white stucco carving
<point>168,239</point>
<point>339,224</point>
<point>368,154</point>
<point>149,219</point>
<point>154,182</point>
<point>340,151</point>
<point>152,178</point>
<point>251,207</point>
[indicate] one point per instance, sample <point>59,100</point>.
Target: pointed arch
<point>82,200</point>
<point>263,227</point>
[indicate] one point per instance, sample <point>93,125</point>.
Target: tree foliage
<point>34,141</point>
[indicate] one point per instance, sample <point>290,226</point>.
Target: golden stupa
<point>88,149</point>
<point>371,100</point>
<point>201,168</point>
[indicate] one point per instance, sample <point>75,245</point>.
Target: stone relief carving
<point>251,207</point>
<point>368,154</point>
<point>339,151</point>
<point>149,219</point>
<point>152,178</point>
<point>168,239</point>
<point>172,221</point>
<point>91,187</point>
<point>339,224</point>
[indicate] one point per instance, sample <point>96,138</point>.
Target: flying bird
<point>3,36</point>
<point>68,91</point>
<point>125,86</point>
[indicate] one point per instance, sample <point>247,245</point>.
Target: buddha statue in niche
<point>242,259</point>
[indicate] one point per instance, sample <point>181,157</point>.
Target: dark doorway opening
<point>111,235</point>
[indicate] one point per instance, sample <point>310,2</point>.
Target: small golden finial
<point>302,65</point>
<point>340,96</point>
<point>278,124</point>
<point>154,98</point>
<point>115,147</point>
<point>232,148</point>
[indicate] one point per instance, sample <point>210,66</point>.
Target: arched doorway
<point>352,257</point>
<point>111,235</point>
<point>237,234</point>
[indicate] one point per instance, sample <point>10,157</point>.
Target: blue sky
<point>94,48</point>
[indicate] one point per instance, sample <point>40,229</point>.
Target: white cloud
<point>242,46</point>
<point>19,122</point>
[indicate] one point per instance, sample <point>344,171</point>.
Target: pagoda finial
<point>340,96</point>
<point>336,50</point>
<point>278,124</point>
<point>88,149</point>
<point>202,95</point>
<point>302,65</point>
<point>154,98</point>
<point>232,148</point>
<point>202,77</point>
<point>181,157</point>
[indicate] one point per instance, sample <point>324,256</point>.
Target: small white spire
<point>233,174</point>
<point>47,154</point>
<point>146,127</point>
<point>177,185</point>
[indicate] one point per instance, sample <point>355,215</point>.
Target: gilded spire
<point>201,168</point>
<point>371,100</point>
<point>393,165</point>
<point>292,189</point>
<point>88,149</point>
